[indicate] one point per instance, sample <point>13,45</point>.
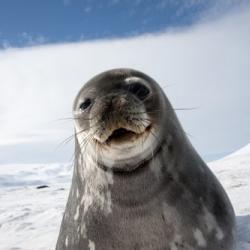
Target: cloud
<point>32,39</point>
<point>87,9</point>
<point>206,66</point>
<point>24,39</point>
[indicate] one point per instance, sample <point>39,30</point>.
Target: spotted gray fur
<point>162,198</point>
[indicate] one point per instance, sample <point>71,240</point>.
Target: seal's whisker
<point>73,118</point>
<point>68,139</point>
<point>157,110</point>
<point>84,119</point>
<point>183,109</point>
<point>82,144</point>
<point>89,137</point>
<point>144,112</point>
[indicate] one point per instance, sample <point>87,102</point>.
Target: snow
<point>234,173</point>
<point>30,217</point>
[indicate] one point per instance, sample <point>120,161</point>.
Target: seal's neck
<point>106,188</point>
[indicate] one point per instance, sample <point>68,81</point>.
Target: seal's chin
<point>124,148</point>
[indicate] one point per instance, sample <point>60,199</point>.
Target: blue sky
<point>32,22</point>
<point>197,50</point>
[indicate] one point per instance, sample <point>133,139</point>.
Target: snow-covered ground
<point>30,217</point>
<point>233,172</point>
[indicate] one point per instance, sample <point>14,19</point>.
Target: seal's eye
<point>84,105</point>
<point>139,90</point>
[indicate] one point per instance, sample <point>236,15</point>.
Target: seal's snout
<point>120,119</point>
<point>113,103</point>
<point>119,102</point>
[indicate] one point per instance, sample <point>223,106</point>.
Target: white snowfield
<point>30,217</point>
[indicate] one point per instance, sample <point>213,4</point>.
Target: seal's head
<point>118,118</point>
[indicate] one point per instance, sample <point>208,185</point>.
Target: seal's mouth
<point>121,134</point>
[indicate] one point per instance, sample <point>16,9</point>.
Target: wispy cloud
<point>87,9</point>
<point>32,39</point>
<point>25,39</point>
<point>206,66</point>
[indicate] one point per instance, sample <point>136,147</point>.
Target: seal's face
<point>117,118</point>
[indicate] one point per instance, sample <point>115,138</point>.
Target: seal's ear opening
<point>139,90</point>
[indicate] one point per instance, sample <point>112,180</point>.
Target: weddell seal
<point>138,183</point>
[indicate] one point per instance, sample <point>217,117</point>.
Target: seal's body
<point>138,183</point>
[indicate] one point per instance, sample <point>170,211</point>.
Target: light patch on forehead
<point>212,224</point>
<point>135,79</point>
<point>91,245</point>
<point>198,235</point>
